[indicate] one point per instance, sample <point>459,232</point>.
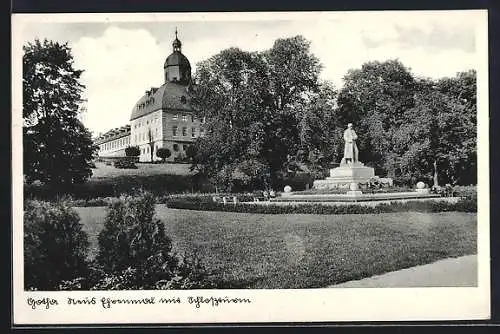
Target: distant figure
<point>350,148</point>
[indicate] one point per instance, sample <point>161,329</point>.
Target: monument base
<point>354,193</point>
<point>343,176</point>
<point>357,196</point>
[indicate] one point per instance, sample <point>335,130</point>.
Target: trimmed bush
<point>135,252</point>
<point>54,245</point>
<point>125,163</point>
<point>163,153</point>
<point>132,151</point>
<point>131,235</point>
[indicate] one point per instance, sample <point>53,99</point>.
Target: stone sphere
<point>288,189</point>
<point>420,185</point>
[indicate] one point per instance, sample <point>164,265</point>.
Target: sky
<point>123,54</point>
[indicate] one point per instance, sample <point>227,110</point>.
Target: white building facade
<point>163,116</point>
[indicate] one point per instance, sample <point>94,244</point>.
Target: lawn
<point>308,251</point>
<point>144,169</point>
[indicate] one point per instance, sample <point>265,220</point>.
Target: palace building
<point>162,117</point>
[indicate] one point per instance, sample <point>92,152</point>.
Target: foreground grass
<point>308,251</point>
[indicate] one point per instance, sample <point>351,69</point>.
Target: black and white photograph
<point>250,167</point>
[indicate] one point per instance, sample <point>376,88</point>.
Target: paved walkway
<point>452,272</point>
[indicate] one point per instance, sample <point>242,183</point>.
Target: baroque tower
<point>177,67</point>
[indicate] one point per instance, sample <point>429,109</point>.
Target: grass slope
<point>143,169</point>
<point>309,251</point>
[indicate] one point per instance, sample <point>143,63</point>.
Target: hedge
<point>114,187</point>
<point>201,197</point>
<point>463,205</point>
<point>344,190</point>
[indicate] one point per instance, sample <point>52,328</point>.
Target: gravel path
<point>452,272</point>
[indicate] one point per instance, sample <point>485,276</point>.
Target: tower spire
<point>176,44</point>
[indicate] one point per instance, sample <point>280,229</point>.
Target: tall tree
<point>293,71</point>
<point>57,148</point>
<point>293,77</point>
<point>231,93</point>
<point>375,99</point>
<point>319,125</point>
<point>252,102</point>
<point>437,142</point>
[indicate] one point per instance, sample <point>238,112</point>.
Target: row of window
<point>147,122</point>
<point>115,144</point>
<point>185,118</point>
<point>175,147</point>
<point>138,137</point>
<point>144,137</point>
<point>184,131</point>
<point>174,117</point>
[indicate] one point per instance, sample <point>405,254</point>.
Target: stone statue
<point>350,148</point>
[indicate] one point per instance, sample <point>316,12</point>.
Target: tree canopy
<point>268,113</point>
<point>57,148</point>
<point>412,128</point>
<point>251,101</point>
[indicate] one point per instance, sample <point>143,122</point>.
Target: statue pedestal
<point>345,175</point>
<point>354,193</point>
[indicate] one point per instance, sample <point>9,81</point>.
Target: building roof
<point>170,96</point>
<point>113,134</point>
<point>176,58</point>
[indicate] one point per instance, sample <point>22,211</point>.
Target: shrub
<point>54,245</point>
<point>298,181</point>
<point>125,163</point>
<point>132,151</point>
<point>135,252</point>
<point>466,191</point>
<point>163,153</point>
<point>180,158</point>
<point>191,152</point>
<point>98,201</point>
<point>131,235</point>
